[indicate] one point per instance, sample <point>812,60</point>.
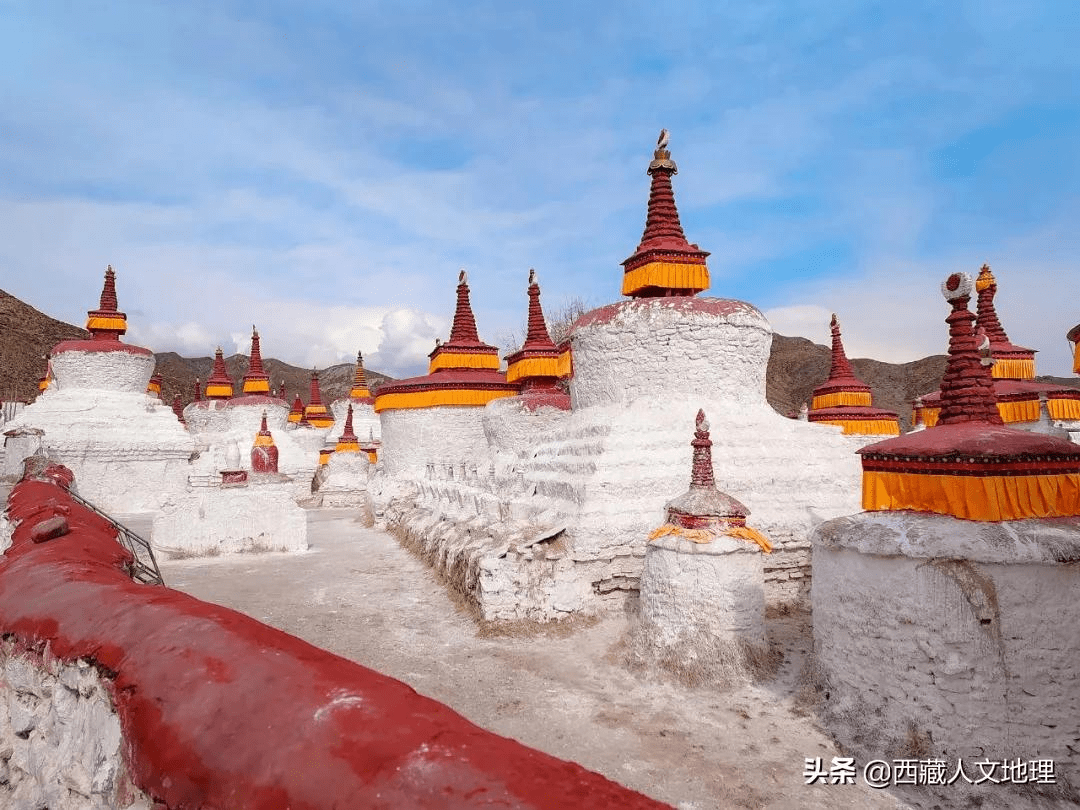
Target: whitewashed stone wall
<point>510,428</point>
<point>211,520</point>
<point>60,739</point>
<point>127,450</point>
<point>653,347</point>
<point>413,438</point>
<point>343,482</point>
<point>937,636</point>
<point>715,588</point>
<point>125,371</point>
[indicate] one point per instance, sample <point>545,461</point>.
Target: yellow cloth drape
<point>318,416</point>
<point>1063,408</point>
<point>436,397</point>
<point>264,441</point>
<point>566,364</point>
<point>532,367</point>
<point>372,456</point>
<point>294,417</point>
<point>1076,358</point>
<point>1005,497</point>
<point>153,388</point>
<point>359,393</point>
<point>106,323</point>
<point>865,427</point>
<point>1014,368</point>
<point>324,456</point>
<point>463,360</point>
<point>1023,411</point>
<point>666,274</point>
<point>841,398</point>
<point>256,386</point>
<point>347,447</point>
<point>707,535</point>
<point>219,390</point>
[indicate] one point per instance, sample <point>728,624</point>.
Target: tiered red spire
<point>264,453</point>
<point>296,415</point>
<point>536,364</point>
<point>316,414</point>
<point>360,392</point>
<point>967,389</point>
<point>1013,362</point>
<point>701,471</point>
<point>463,371</point>
<point>845,400</point>
<point>178,408</point>
<point>665,263</point>
<point>464,350</point>
<point>219,385</point>
<point>256,381</point>
<point>704,512</point>
<point>1017,393</point>
<point>348,443</point>
<point>464,327</point>
<point>969,465</point>
<point>106,322</point>
<point>198,390</point>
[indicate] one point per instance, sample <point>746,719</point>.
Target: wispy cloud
<point>324,173</point>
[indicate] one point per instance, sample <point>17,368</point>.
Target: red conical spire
<point>536,336</point>
<point>535,366</point>
<point>701,473</point>
<point>665,263</point>
<point>840,367</point>
<point>264,453</point>
<point>1013,362</point>
<point>256,381</point>
<point>178,408</point>
<point>316,414</point>
<point>464,328</point>
<point>105,322</point>
<point>219,385</point>
<point>107,302</point>
<point>296,415</point>
<point>359,391</point>
<point>347,442</point>
<point>153,388</point>
<point>347,432</point>
<point>967,389</point>
<point>198,390</point>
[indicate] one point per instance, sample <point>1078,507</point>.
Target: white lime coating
<point>60,738</point>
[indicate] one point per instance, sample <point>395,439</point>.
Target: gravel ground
<point>562,690</point>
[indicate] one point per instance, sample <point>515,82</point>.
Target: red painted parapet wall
<point>221,712</point>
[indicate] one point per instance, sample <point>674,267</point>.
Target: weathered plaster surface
<point>127,449</point>
<point>60,738</point>
<point>102,371</point>
<point>956,638</point>
<point>717,588</point>
<point>366,422</point>
<point>413,438</point>
<point>213,520</point>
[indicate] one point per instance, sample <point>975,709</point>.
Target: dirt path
<point>358,594</point>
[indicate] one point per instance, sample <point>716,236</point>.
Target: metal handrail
<point>144,568</point>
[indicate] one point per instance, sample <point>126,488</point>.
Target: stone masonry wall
<point>937,636</point>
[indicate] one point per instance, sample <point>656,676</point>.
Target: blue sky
<point>323,169</point>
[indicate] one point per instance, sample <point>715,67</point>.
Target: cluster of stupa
<point>533,489</point>
<point>537,509</point>
<point>945,618</point>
